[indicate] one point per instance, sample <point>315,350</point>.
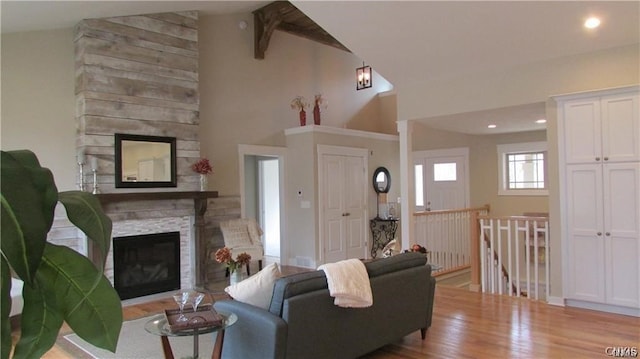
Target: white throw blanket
<point>348,283</point>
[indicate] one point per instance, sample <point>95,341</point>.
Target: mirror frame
<point>119,137</point>
<point>375,184</point>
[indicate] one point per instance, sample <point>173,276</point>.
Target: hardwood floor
<point>474,325</point>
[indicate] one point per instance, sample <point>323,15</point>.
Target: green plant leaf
<point>29,198</point>
<point>85,212</point>
<point>87,300</point>
<point>40,323</point>
<point>5,309</point>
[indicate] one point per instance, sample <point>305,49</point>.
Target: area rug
<point>136,343</point>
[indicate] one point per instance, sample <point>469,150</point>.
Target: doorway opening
<point>262,192</point>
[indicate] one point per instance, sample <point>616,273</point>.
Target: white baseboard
<point>557,301</point>
<point>634,312</point>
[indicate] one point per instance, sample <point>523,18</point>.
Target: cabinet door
<point>582,138</point>
<point>584,233</point>
<point>620,128</point>
<point>621,183</point>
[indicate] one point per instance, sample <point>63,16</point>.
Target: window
<point>522,169</point>
<point>444,172</point>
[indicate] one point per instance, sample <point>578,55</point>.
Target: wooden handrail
<point>517,218</point>
<point>445,211</point>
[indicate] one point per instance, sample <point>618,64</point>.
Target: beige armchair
<point>243,235</point>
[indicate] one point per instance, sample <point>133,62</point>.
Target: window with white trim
<point>522,169</point>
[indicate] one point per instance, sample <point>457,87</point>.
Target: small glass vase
<point>203,182</point>
<point>235,277</point>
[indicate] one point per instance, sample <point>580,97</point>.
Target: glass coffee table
<point>158,325</point>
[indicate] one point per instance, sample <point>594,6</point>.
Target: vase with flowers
<point>203,167</point>
<point>319,102</point>
<point>223,255</point>
<point>300,103</point>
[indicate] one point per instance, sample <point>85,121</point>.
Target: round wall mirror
<point>381,180</point>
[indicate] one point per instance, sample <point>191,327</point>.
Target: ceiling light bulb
<point>492,126</point>
<point>542,120</point>
<point>592,23</point>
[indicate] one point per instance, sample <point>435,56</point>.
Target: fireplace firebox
<point>146,264</point>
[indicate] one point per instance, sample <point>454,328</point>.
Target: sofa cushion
<point>293,285</point>
<point>257,289</point>
<point>395,263</point>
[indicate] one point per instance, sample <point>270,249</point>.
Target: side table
<point>158,326</point>
<point>380,226</point>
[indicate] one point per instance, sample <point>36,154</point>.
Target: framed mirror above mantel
<point>145,161</point>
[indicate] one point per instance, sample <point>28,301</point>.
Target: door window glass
<point>444,172</point>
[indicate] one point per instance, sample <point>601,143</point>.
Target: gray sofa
<point>302,321</point>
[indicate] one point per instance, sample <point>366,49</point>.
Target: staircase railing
<point>445,234</point>
<point>514,254</point>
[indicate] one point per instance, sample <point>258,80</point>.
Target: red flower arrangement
<point>202,167</point>
<point>223,255</point>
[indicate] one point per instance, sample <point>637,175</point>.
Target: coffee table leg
<point>166,347</point>
<point>217,348</point>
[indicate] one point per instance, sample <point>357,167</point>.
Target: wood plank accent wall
<point>138,75</point>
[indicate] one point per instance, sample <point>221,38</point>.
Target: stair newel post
<point>474,235</point>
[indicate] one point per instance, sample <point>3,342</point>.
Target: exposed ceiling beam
<point>282,15</point>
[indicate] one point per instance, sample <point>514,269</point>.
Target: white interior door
<point>441,179</point>
<point>343,192</point>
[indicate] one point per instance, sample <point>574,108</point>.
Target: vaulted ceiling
<point>416,45</point>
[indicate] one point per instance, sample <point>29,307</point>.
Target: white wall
<point>38,100</point>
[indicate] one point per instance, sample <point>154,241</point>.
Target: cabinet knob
<point>346,214</point>
<point>606,158</point>
<point>597,158</point>
<point>599,233</point>
<point>607,234</point>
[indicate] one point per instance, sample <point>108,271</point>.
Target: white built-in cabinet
<point>599,158</point>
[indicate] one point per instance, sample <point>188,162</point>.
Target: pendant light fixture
<point>363,77</point>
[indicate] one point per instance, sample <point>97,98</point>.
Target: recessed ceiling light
<point>592,22</point>
<point>542,120</point>
<point>492,126</point>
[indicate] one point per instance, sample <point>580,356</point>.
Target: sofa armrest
<point>257,333</point>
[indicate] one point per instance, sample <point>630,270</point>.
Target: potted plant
<point>60,285</point>
<point>234,266</point>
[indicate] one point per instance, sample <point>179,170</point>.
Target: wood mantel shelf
<point>146,196</point>
<point>200,207</point>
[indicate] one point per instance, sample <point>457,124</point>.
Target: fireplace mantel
<point>200,207</point>
<point>146,196</point>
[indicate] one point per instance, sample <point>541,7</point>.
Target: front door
<point>441,179</point>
